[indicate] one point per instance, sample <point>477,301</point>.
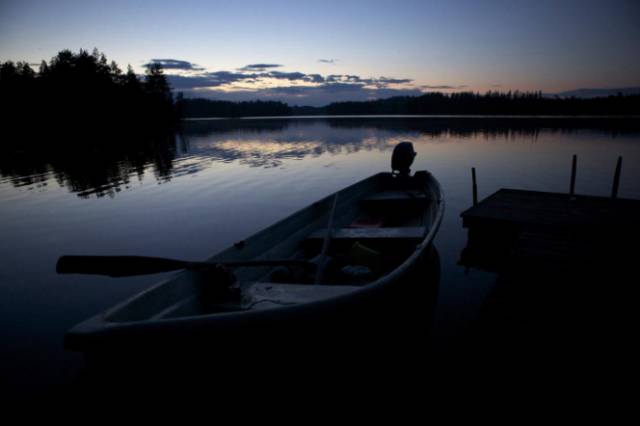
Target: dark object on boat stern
<point>402,158</point>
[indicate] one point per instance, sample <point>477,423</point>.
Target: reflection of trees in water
<point>491,127</point>
<point>431,126</point>
<point>93,165</point>
<point>258,146</point>
<point>269,142</point>
<point>206,127</point>
<point>97,164</point>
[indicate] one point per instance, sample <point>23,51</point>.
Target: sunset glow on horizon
<point>310,53</point>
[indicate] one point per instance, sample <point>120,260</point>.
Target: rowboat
<point>333,263</point>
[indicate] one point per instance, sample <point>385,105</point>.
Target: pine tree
<point>156,83</point>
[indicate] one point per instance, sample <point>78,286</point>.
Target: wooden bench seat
<point>405,233</point>
<point>396,196</point>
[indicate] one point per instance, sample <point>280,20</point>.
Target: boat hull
<point>389,306</point>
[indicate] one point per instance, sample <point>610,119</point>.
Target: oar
<point>323,260</point>
<point>123,266</point>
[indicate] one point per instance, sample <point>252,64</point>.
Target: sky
<point>311,53</point>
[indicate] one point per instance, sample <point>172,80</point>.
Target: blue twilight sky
<point>310,52</point>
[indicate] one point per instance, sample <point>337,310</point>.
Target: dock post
<point>475,187</point>
<point>572,185</point>
<point>616,179</point>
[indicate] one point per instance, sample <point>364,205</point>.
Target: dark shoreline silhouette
<point>84,95</point>
<point>464,103</point>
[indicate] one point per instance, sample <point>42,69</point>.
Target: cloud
<point>380,83</point>
<point>314,78</point>
<point>174,64</point>
<point>258,67</point>
<point>296,88</point>
<point>386,80</point>
<point>226,77</point>
<point>345,78</point>
<point>291,76</point>
<point>209,79</point>
<point>181,82</point>
<point>328,61</point>
<point>307,95</point>
<point>443,87</point>
<point>213,79</point>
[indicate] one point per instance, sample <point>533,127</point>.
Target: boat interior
<point>350,239</point>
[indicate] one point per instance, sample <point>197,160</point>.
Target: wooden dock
<point>547,210</point>
<point>565,270</point>
<point>567,228</point>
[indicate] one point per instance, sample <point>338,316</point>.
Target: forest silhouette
<point>462,103</point>
<point>83,91</point>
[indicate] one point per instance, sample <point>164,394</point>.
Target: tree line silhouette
<point>463,103</point>
<point>83,91</point>
<point>492,103</point>
<point>213,108</point>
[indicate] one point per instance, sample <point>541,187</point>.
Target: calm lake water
<point>219,181</point>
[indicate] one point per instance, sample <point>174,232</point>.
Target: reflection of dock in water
<point>563,263</point>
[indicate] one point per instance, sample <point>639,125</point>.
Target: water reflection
<point>269,142</point>
<point>88,166</point>
<point>100,166</point>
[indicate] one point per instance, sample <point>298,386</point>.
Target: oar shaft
<point>117,266</point>
<point>122,266</point>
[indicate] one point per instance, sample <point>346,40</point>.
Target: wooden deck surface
<point>534,209</point>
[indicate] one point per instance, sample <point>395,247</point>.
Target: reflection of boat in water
<point>334,265</point>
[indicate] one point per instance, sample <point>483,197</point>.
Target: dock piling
<point>474,185</point>
<point>572,185</point>
<point>616,179</point>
